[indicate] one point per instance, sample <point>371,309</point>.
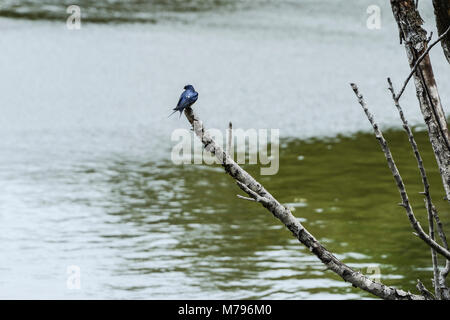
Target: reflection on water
<point>142,229</point>
<point>110,11</point>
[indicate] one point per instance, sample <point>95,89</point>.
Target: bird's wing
<point>179,102</point>
<point>191,97</point>
<point>183,103</point>
<point>187,98</point>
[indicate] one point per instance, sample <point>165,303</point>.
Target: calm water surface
<point>85,168</point>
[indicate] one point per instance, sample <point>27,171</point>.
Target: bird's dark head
<point>188,87</point>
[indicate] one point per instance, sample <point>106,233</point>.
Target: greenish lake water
<point>85,168</point>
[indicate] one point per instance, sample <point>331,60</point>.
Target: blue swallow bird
<point>187,99</point>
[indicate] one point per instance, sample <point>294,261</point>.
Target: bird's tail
<point>175,110</point>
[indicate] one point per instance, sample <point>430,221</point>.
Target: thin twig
<point>440,228</point>
<point>413,143</point>
<point>230,139</point>
<point>245,198</point>
<point>398,179</point>
<point>436,272</point>
<point>254,196</point>
<point>427,294</point>
<point>445,291</point>
<point>419,60</point>
<point>428,203</point>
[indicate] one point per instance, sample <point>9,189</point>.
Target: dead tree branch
<point>419,60</point>
<point>398,179</point>
<point>444,289</point>
<point>424,291</point>
<point>428,202</point>
<point>415,40</point>
<point>230,139</point>
<point>434,259</point>
<point>256,191</point>
<point>442,13</point>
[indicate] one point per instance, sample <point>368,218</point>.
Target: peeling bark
<point>442,13</point>
<point>414,38</point>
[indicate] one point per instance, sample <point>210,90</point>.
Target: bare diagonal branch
<point>256,190</point>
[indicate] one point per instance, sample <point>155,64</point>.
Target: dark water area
<point>152,230</point>
<point>86,175</point>
<point>119,11</point>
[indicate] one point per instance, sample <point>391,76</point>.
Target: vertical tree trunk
<point>414,38</point>
<point>442,12</point>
